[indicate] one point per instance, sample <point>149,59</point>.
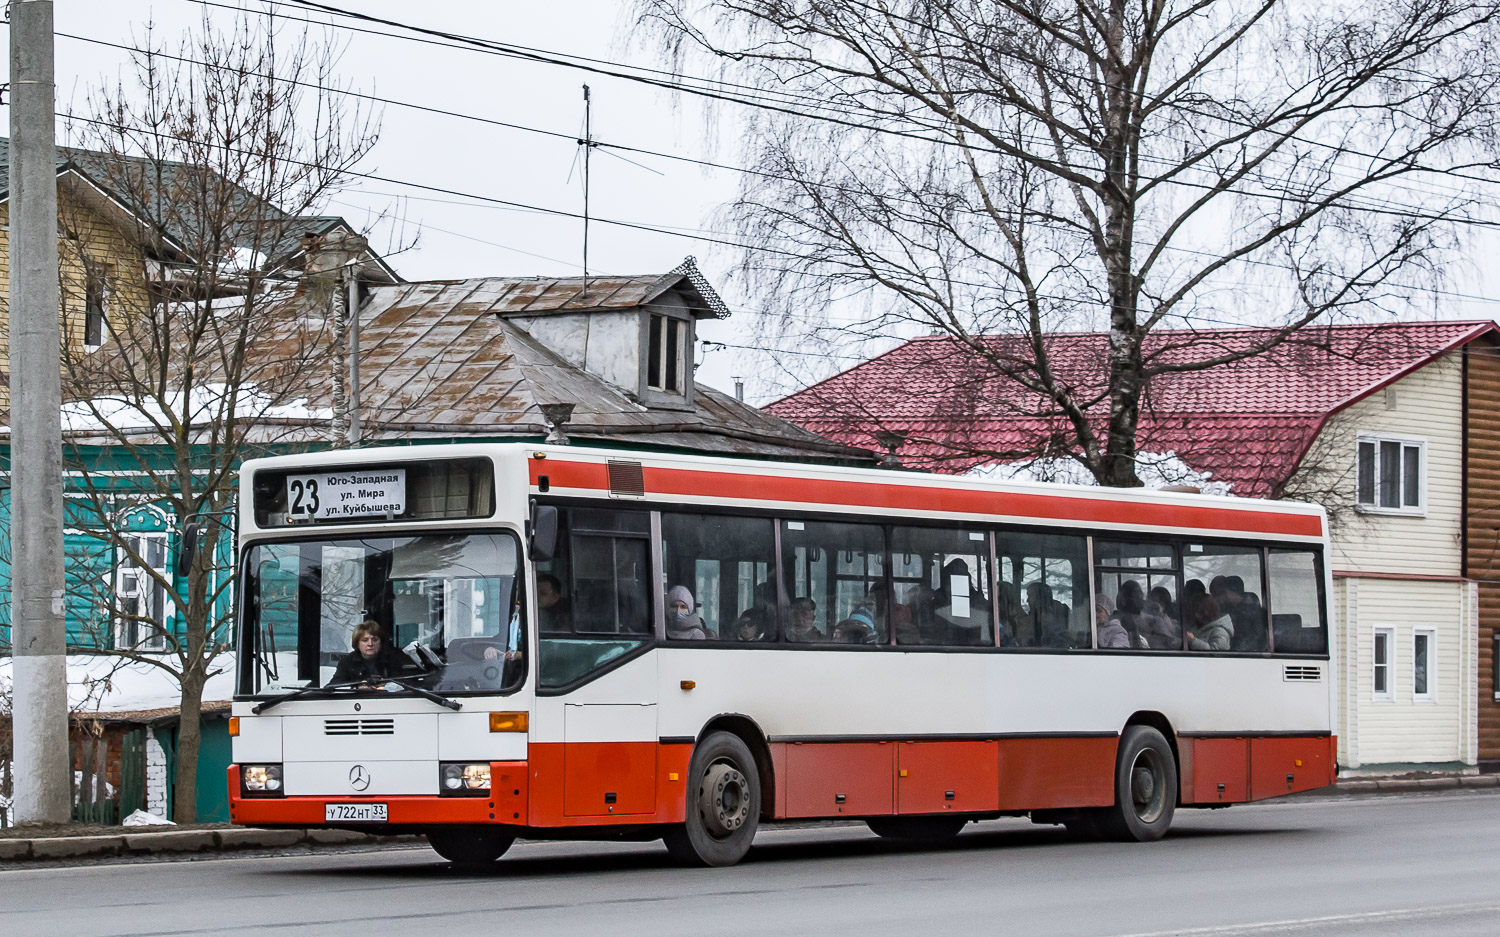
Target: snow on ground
<point>1156,469</point>
<point>105,684</point>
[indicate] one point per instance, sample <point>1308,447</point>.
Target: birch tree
<point>975,168</point>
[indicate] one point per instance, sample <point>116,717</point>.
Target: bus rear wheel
<point>469,845</point>
<point>916,829</point>
<point>723,804</point>
<point>1145,787</point>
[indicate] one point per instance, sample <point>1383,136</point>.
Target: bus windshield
<point>441,612</point>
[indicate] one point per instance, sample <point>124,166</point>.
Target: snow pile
<point>142,818</point>
<point>1156,470</point>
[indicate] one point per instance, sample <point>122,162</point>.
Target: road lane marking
<point>1305,923</point>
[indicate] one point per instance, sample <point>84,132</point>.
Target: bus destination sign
<point>328,496</point>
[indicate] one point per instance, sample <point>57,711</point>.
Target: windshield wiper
<point>425,693</point>
<point>259,708</point>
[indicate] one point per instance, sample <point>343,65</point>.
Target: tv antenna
<point>588,144</point>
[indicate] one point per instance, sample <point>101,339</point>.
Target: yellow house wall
<point>84,234</point>
<point>1425,405</point>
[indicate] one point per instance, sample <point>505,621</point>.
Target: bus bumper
<point>505,804</point>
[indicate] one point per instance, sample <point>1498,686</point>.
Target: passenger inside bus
<point>554,612</point>
<point>866,621</point>
<point>1015,625</point>
<point>1049,616</point>
<point>1211,629</point>
<point>683,624</point>
<point>754,624</point>
<point>1112,633</point>
<point>805,621</point>
<point>1247,613</point>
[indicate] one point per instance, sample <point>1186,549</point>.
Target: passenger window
<point>939,577</point>
<point>1137,583</point>
<point>1042,591</point>
<point>1297,625</point>
<point>1221,598</point>
<point>725,563</point>
<point>593,599</point>
<point>835,574</point>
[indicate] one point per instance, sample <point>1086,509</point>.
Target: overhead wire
<point>696,234</point>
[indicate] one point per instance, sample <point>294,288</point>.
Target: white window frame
<point>1389,634</point>
<point>1406,442</point>
<point>1432,694</point>
<point>103,281</point>
<point>659,382</point>
<point>132,581</point>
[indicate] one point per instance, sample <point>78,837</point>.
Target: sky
<point>460,237</point>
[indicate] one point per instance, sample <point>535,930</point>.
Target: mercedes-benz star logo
<point>359,777</point>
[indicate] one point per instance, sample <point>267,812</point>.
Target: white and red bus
<point>485,642</point>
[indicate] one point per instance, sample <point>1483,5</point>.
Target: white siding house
<point>1405,618</point>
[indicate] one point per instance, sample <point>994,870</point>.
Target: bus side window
<point>940,577</point>
<point>602,567</point>
<point>1141,580</point>
<point>726,563</point>
<point>835,575</point>
<point>1296,611</point>
<point>1222,607</point>
<point>1042,590</point>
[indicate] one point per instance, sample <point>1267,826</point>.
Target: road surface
<point>1422,864</point>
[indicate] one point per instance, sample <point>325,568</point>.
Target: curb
<point>182,841</point>
<point>1384,785</point>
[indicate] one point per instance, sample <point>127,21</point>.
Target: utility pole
<point>38,635</point>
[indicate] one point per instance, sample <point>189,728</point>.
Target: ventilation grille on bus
<point>359,727</point>
<point>1297,672</point>
<point>626,479</point>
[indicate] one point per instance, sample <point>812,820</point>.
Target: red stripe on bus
<point>593,475</point>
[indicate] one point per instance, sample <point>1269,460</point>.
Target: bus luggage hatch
<point>609,759</point>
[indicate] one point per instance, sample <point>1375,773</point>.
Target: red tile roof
<point>1247,423</point>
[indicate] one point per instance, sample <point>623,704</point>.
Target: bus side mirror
<point>543,545</point>
<point>188,548</point>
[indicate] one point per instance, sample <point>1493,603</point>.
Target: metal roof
<point>1248,422</point>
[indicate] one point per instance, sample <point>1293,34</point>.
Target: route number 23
<point>303,495</point>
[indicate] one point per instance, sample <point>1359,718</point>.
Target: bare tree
<point>981,167</point>
<point>196,185</point>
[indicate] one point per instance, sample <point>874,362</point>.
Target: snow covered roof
<point>114,687</point>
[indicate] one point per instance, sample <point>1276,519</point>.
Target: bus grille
<point>359,727</point>
<point>1296,672</point>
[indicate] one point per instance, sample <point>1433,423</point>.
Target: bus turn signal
<point>234,726</point>
<point>508,722</point>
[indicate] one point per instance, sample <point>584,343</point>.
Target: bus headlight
<point>261,780</point>
<point>457,779</point>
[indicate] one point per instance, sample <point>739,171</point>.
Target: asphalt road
<point>1426,864</point>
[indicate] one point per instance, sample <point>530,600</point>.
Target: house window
<point>666,353</point>
<point>93,309</point>
<point>1390,475</point>
<point>1381,686</point>
<point>1423,669</point>
<point>142,598</point>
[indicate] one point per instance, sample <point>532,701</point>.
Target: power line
<point>1347,201</point>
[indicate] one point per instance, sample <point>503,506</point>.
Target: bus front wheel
<point>723,804</point>
<point>1145,787</point>
<point>469,846</point>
